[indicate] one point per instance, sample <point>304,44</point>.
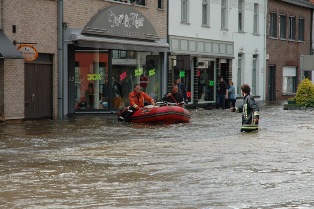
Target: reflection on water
<point>96,162</point>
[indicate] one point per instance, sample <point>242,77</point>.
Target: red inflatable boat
<point>161,114</point>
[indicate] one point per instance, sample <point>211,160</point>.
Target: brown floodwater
<point>93,161</point>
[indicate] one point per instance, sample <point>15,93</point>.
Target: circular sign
<point>29,52</point>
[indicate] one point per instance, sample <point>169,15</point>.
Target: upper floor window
<point>292,28</point>
<point>240,71</point>
<point>160,4</point>
<point>224,13</point>
<point>256,18</point>
<point>301,29</point>
<point>184,11</point>
<point>136,2</point>
<point>254,74</point>
<point>273,25</point>
<point>283,26</point>
<point>240,15</point>
<point>205,13</point>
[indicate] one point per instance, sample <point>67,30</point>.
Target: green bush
<point>305,94</point>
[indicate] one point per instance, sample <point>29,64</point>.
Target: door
<point>38,90</point>
<point>206,81</point>
<point>272,83</point>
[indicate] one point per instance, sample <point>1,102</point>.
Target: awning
<point>7,48</point>
<point>120,44</point>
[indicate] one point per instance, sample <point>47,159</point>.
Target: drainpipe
<point>265,51</point>
<point>311,33</point>
<point>60,59</point>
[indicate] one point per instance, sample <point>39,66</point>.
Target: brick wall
<point>78,12</point>
<point>286,52</point>
<point>13,87</point>
<point>36,22</point>
<point>2,87</point>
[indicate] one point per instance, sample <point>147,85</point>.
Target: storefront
<point>117,49</point>
<point>198,63</point>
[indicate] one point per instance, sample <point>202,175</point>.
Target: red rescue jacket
<point>137,100</point>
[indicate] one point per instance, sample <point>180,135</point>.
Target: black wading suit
<point>174,98</point>
<point>250,111</point>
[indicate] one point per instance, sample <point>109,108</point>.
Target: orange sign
<point>28,51</point>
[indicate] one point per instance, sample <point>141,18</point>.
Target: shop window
<point>101,87</point>
<point>182,69</point>
<point>91,70</point>
<point>206,80</point>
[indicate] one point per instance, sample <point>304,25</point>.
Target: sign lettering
<point>152,72</point>
<point>94,77</point>
<point>124,19</point>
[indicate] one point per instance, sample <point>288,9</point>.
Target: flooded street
<point>96,162</point>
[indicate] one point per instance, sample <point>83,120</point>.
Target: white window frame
<point>283,26</point>
<point>241,15</point>
<point>184,11</point>
<point>292,28</point>
<point>240,70</point>
<point>160,4</point>
<point>256,19</point>
<point>255,74</point>
<point>205,13</point>
<point>272,25</point>
<point>224,14</point>
<point>301,29</point>
<point>289,79</point>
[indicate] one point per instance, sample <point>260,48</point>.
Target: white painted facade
<point>245,42</point>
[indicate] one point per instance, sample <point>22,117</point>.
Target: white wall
<point>245,42</point>
<point>250,44</point>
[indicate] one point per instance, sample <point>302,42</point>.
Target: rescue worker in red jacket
<point>136,98</point>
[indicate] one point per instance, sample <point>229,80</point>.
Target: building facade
<point>108,47</point>
<point>28,75</point>
<point>212,38</point>
<point>248,23</point>
<point>288,38</point>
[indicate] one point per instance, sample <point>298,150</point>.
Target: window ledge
<point>205,26</point>
<point>125,3</point>
<point>288,94</point>
<point>241,97</point>
<point>185,23</point>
